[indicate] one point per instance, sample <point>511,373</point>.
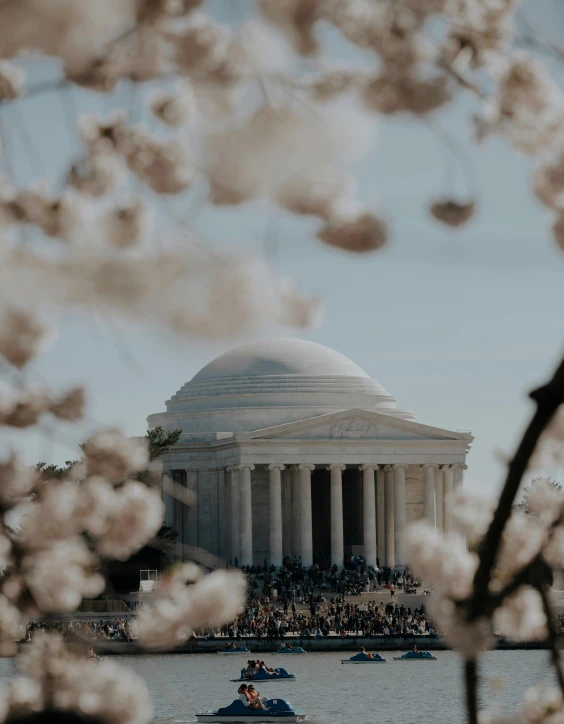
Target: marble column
<point>246,517</point>
<point>296,507</point>
<point>337,536</point>
<point>448,487</point>
<point>168,499</point>
<point>306,532</point>
<point>369,514</point>
<point>287,513</point>
<point>439,499</point>
<point>390,541</point>
<point>381,506</point>
<point>459,475</point>
<point>191,513</point>
<point>275,508</point>
<point>235,515</point>
<point>400,515</point>
<point>429,493</point>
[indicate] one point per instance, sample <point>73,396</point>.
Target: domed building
<point>291,449</point>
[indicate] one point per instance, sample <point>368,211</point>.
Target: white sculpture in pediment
<point>353,427</point>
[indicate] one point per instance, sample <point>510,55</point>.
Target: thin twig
<point>466,84</point>
<point>5,147</point>
<point>28,143</point>
<point>453,145</point>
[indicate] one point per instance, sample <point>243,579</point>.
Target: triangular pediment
<point>354,425</point>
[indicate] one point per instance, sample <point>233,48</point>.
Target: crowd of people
<point>293,581</point>
<point>105,629</point>
<point>310,603</point>
<point>336,617</point>
<point>294,601</point>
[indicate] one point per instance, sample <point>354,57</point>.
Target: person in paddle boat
<point>243,696</point>
<point>366,653</point>
<point>256,700</point>
<point>287,647</point>
<point>230,647</point>
<point>252,668</point>
<point>266,668</point>
<point>415,650</point>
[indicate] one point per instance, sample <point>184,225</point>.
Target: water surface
<point>427,692</point>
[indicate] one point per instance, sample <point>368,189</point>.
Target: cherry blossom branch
<point>523,577</point>
<point>548,399</point>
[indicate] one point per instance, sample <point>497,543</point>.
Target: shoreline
<point>263,646</point>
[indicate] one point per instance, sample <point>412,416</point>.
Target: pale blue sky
<point>458,327</point>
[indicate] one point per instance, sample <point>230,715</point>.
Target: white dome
<point>280,357</point>
<point>278,373</point>
<point>271,382</point>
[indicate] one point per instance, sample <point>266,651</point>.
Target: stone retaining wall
<point>261,646</point>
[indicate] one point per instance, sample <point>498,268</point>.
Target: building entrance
<point>352,512</point>
<point>321,517</point>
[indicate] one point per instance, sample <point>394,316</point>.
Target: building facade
<point>291,449</point>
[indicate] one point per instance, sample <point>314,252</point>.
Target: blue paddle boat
<point>363,658</point>
<point>278,711</point>
<point>293,650</point>
<point>416,656</point>
<point>237,650</point>
<point>262,675</point>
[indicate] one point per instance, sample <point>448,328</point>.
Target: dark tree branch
<point>471,677</point>
<point>552,636</point>
<point>548,398</point>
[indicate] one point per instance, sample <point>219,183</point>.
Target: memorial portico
<point>292,449</point>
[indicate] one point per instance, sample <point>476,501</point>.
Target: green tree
<point>48,472</point>
<point>160,442</point>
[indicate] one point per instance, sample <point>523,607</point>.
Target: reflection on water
<point>427,692</point>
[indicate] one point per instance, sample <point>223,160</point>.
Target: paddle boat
<point>416,656</point>
<point>291,650</point>
<point>236,650</point>
<point>262,675</point>
<point>278,710</point>
<point>363,658</point>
